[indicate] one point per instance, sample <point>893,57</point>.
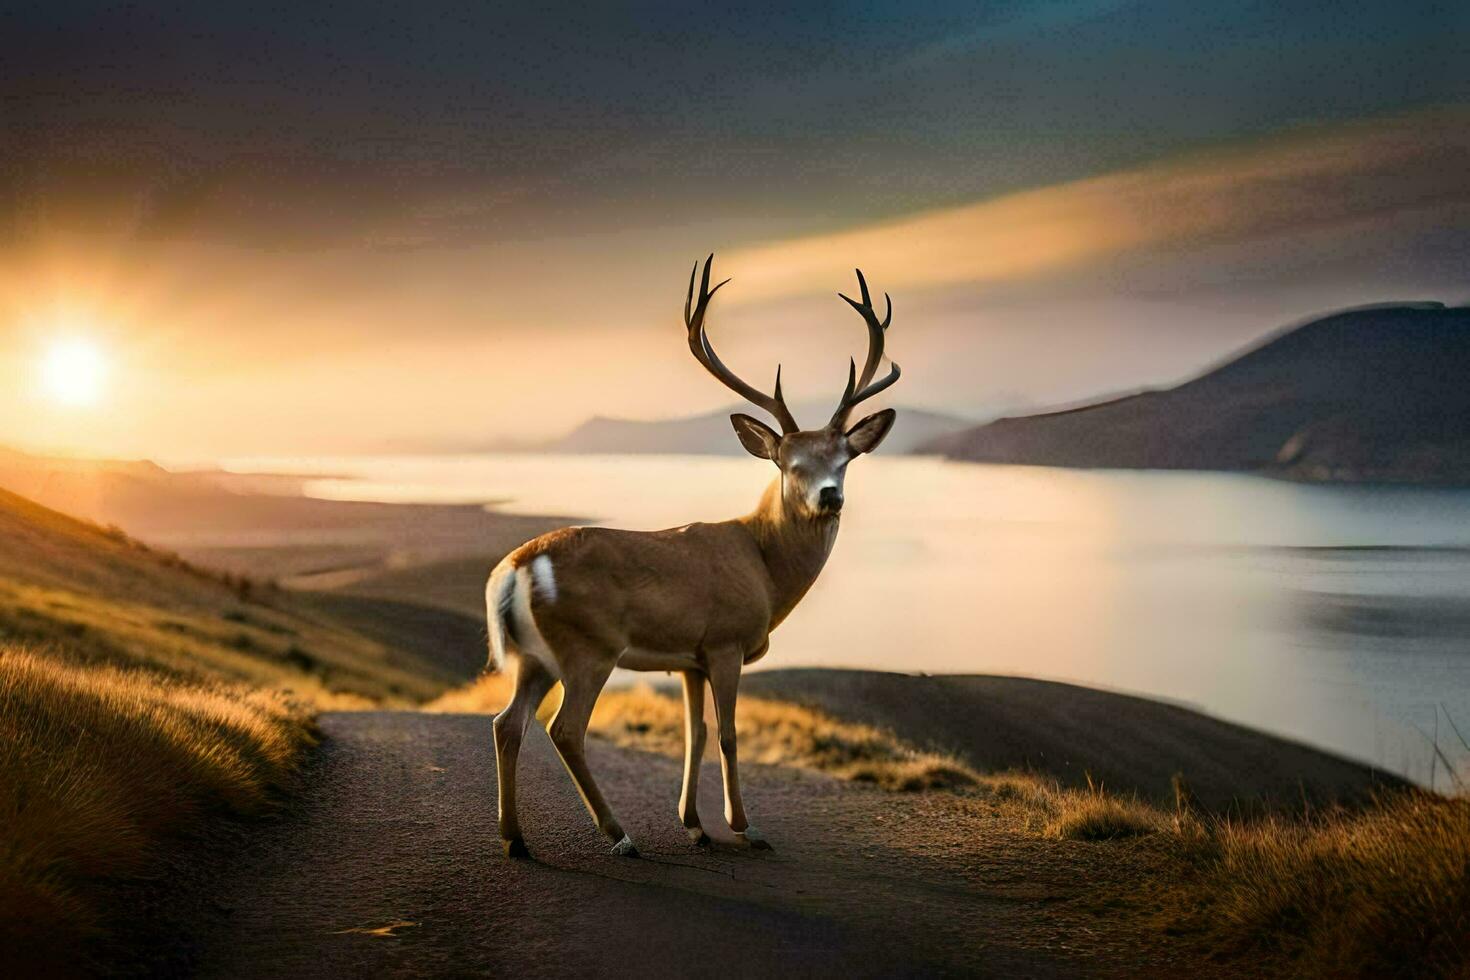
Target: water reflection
<point>1336,615</point>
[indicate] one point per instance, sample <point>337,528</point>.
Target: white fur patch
<point>544,577</point>
<point>532,643</point>
<point>499,594</point>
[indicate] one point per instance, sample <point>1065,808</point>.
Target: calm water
<point>1338,616</point>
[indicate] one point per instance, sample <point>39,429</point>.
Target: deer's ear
<point>758,438</point>
<point>867,434</point>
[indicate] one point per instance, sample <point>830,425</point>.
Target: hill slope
<point>98,596</point>
<point>1080,735</point>
<point>1369,394</point>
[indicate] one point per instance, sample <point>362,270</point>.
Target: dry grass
<point>771,732</point>
<point>1379,893</point>
<point>99,767</point>
<point>1092,814</point>
<point>99,597</point>
<point>330,666</point>
<point>778,733</point>
<point>486,695</point>
<point>782,733</point>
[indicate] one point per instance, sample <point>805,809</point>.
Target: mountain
<point>1371,394</point>
<point>710,434</point>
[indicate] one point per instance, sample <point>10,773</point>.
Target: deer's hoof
<point>697,836</point>
<point>755,839</point>
<point>625,848</point>
<point>515,848</point>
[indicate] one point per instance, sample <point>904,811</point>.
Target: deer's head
<point>812,462</point>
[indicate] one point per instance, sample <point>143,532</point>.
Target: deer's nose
<point>830,498</point>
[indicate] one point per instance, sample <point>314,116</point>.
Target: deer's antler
<point>703,353</point>
<point>862,388</point>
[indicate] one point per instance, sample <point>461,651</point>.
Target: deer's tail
<point>500,594</point>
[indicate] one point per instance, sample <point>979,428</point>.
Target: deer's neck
<point>793,546</point>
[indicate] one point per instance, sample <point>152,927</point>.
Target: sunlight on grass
<point>334,670</point>
<point>779,733</point>
<point>486,695</point>
<point>772,732</point>
<point>1383,892</point>
<point>1094,814</point>
<point>99,767</point>
<point>97,596</point>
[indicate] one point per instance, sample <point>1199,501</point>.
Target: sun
<point>74,372</point>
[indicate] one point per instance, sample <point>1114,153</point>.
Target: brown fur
<point>685,589</point>
<point>700,599</point>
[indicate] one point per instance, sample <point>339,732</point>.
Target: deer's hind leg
<point>532,683</point>
<point>585,670</point>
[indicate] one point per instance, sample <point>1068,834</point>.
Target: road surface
<point>389,864</point>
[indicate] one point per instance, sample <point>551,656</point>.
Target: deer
<point>700,600</point>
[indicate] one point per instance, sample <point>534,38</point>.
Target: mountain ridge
<point>1373,393</point>
<point>709,433</point>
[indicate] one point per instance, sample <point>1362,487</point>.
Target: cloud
<point>1300,183</point>
<point>1139,276</point>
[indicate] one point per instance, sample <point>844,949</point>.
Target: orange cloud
<point>1305,180</point>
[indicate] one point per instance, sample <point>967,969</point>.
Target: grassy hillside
<point>1081,736</point>
<point>455,584</point>
<point>143,699</point>
<point>99,769</point>
<point>96,596</point>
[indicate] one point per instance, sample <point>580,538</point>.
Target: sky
<point>374,227</point>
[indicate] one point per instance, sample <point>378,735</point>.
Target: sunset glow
<point>73,372</point>
<point>365,396</point>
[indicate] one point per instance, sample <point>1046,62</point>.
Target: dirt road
<point>389,865</point>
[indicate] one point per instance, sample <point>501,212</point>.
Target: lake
<point>1339,616</point>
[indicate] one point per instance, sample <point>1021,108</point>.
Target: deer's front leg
<point>724,679</point>
<point>694,736</point>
